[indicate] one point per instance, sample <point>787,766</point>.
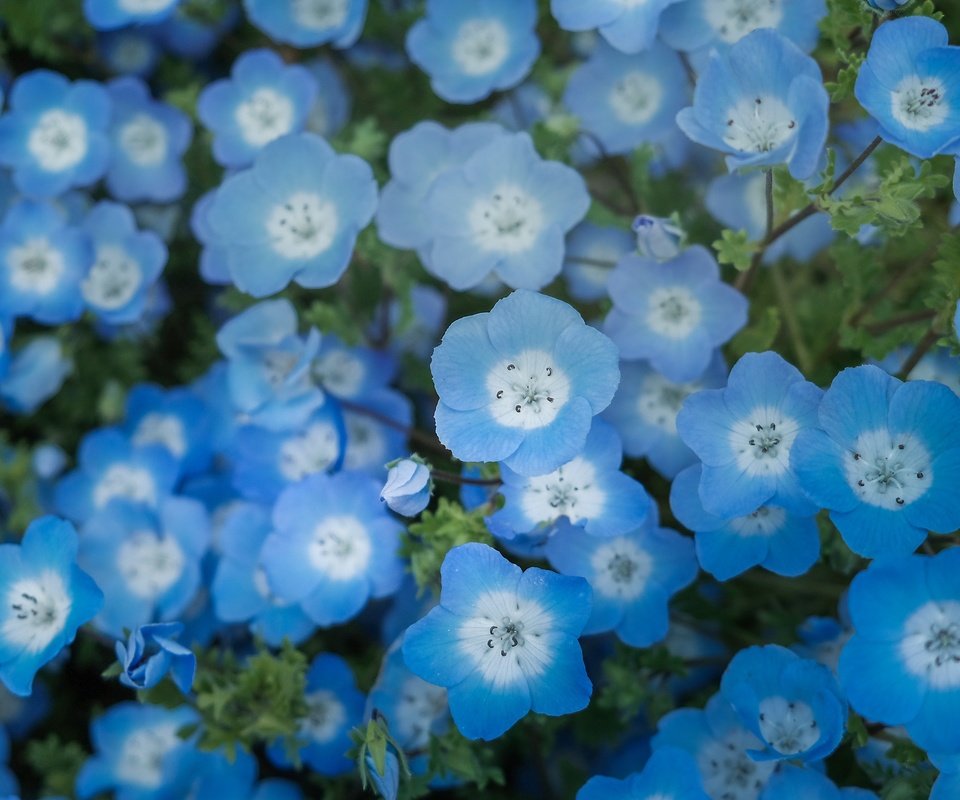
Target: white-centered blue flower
<point>308,23</point>
<point>591,251</point>
<point>105,15</point>
<point>628,25</point>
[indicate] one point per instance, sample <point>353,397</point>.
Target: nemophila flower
<point>590,253</point>
<point>417,332</point>
<point>522,383</point>
<point>771,536</point>
<point>644,412</point>
<point>105,15</point>
<point>657,237</point>
<point>352,373</point>
<point>277,789</point>
<point>633,576</point>
<point>884,460</point>
<point>808,784</point>
<point>701,24</point>
<point>149,139</point>
<point>240,589</point>
<point>294,215</point>
<point>214,267</point>
<point>675,314</point>
<point>744,433</point>
<point>147,561</point>
<point>470,50</point>
<point>46,598</point>
<point>627,101</point>
<point>629,26</point>
<point>822,638</point>
<point>36,374</point>
<point>502,641</point>
<point>523,107</point>
<point>376,431</point>
<point>126,263</point>
<point>110,467</point>
<point>334,708</point>
<point>417,157</point>
<point>762,103</point>
<point>138,753</point>
<point>265,462</point>
<point>331,109</point>
<point>719,744</point>
<point>268,365</point>
<point>793,705</point>
<point>939,365</point>
<point>53,136</point>
<point>151,653</point>
<point>589,492</point>
<point>669,773</point>
<point>262,100</point>
<point>43,260</point>
<point>334,546</point>
<point>408,487</point>
<point>194,36</point>
<point>129,51</point>
<point>308,23</point>
<point>907,84</point>
<point>505,211</point>
<point>947,785</point>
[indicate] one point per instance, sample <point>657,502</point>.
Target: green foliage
<point>364,138</point>
<point>374,739</point>
<point>56,762</point>
<point>759,335</point>
<point>51,30</point>
<point>472,762</point>
<point>735,247</point>
<point>634,682</point>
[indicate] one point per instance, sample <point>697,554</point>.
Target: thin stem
<point>769,193</point>
<point>413,434</point>
<point>591,262</point>
<point>923,347</point>
<point>910,318</point>
<point>619,176</point>
<point>462,480</point>
<point>794,329</point>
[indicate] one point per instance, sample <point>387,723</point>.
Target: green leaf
<point>735,247</point>
<point>759,335</point>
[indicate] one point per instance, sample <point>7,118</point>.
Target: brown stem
<point>462,480</point>
<point>413,434</point>
<point>923,315</point>
<point>923,347</point>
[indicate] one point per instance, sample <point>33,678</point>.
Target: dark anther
<point>499,394</point>
<point>920,475</point>
<point>792,125</point>
<point>860,483</point>
<point>492,629</point>
<point>549,371</point>
<point>753,442</point>
<point>517,409</point>
<point>901,446</point>
<point>511,366</point>
<point>773,426</point>
<point>857,456</point>
<point>490,643</point>
<point>899,501</point>
<point>759,427</point>
<point>729,123</point>
<point>549,399</point>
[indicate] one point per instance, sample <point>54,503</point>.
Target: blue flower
<point>129,51</point>
<point>906,614</point>
<point>333,547</point>
<point>669,773</point>
<point>240,589</point>
<point>744,435</point>
<point>105,15</point>
<point>470,50</point>
<point>416,333</point>
<point>939,365</point>
<point>376,431</point>
<point>294,215</point>
<point>674,313</point>
<point>310,23</point>
<point>633,577</point>
<point>149,139</point>
<point>590,253</point>
<point>809,784</point>
<point>883,460</point>
<point>194,36</point>
<point>644,412</point>
<point>627,101</point>
<point>262,100</point>
<point>42,263</point>
<point>523,107</point>
<point>46,599</point>
<point>719,744</point>
<point>771,536</point>
<point>887,5</point>
<point>334,708</point>
<point>352,373</point>
<point>331,109</point>
<point>948,784</point>
<point>126,263</point>
<point>762,103</point>
<point>522,383</point>
<point>589,492</point>
<point>36,374</point>
<point>907,84</point>
<point>630,27</point>
<point>505,211</point>
<point>822,638</point>
<point>697,25</point>
<point>514,634</point>
<point>408,487</point>
<point>793,705</point>
<point>151,653</point>
<point>54,135</point>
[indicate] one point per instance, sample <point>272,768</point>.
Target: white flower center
<point>340,373</point>
<point>145,6</point>
<point>673,312</point>
<point>759,125</point>
<point>37,610</point>
<point>528,391</point>
<point>319,15</point>
<point>264,116</point>
<point>35,266</point>
<point>163,429</point>
<point>930,647</point>
<point>734,19</point>
<point>788,726</point>
<point>728,772</point>
<point>481,46</point>
<point>126,483</point>
<point>150,564</point>
<point>765,521</point>
<point>620,569</point>
<point>144,750</point>
<point>340,548</point>
<point>658,401</point>
<point>420,704</point>
<point>762,441</point>
<point>570,491</point>
<point>277,365</point>
<point>888,471</point>
<point>920,104</point>
<point>302,227</point>
<point>636,98</point>
<point>58,141</point>
<point>144,140</point>
<point>325,716</point>
<point>509,221</point>
<point>113,279</point>
<point>313,450</point>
